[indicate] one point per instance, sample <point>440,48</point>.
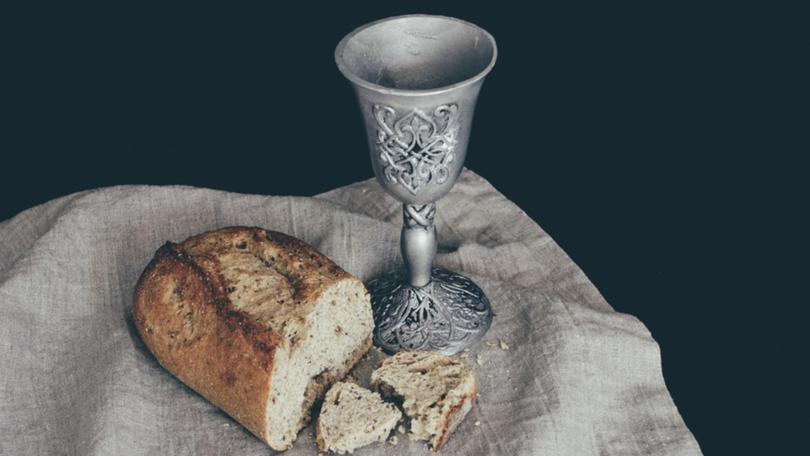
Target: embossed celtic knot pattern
<point>445,315</point>
<point>419,215</point>
<point>416,147</point>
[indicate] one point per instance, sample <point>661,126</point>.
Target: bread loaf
<point>352,417</point>
<point>436,392</point>
<point>257,322</point>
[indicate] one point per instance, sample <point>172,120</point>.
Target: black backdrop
<point>656,143</point>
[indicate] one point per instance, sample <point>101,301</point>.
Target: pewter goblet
<point>417,79</point>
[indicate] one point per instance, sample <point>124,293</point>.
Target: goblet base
<point>447,315</point>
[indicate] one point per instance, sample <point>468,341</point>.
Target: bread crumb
<point>343,403</point>
<point>226,424</point>
<point>406,374</point>
<point>393,440</point>
<point>491,343</point>
<point>479,360</point>
<point>478,423</point>
<point>401,429</point>
<point>503,344</point>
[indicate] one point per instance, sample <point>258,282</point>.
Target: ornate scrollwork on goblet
<point>449,313</point>
<point>416,147</point>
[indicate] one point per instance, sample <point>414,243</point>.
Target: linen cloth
<point>577,378</point>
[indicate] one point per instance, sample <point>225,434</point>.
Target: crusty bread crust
<point>184,315</point>
<point>454,417</point>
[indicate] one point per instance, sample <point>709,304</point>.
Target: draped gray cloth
<point>573,376</point>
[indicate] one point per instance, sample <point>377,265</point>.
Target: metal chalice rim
<point>405,92</point>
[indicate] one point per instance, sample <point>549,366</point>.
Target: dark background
<point>660,145</point>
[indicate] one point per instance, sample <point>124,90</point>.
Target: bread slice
<point>352,417</point>
<point>257,322</point>
<point>436,392</point>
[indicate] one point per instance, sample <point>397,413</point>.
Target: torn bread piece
<point>436,392</point>
<point>352,417</point>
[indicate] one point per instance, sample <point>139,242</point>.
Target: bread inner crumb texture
<point>305,369</point>
<point>431,388</point>
<point>352,417</point>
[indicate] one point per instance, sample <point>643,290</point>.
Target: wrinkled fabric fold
<point>573,376</point>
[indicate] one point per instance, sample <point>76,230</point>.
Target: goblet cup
<point>417,80</point>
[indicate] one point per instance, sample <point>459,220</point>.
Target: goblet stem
<point>418,241</point>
